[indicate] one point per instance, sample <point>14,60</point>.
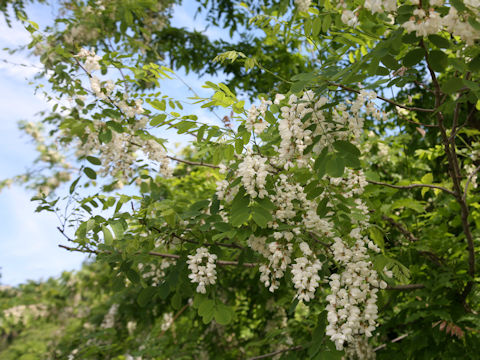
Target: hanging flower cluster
<point>203,272</point>
<point>119,154</point>
<point>424,21</point>
<point>306,127</point>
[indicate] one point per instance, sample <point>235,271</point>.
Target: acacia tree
<point>335,217</point>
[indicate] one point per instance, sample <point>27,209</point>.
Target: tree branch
<point>154,253</point>
<point>401,337</point>
<point>409,235</point>
<point>406,287</point>
<point>299,347</point>
<point>411,186</point>
<point>454,170</point>
<point>175,318</point>
<point>193,162</point>
<point>410,108</point>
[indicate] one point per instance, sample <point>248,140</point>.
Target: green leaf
<point>158,119</point>
<point>474,64</point>
<point>314,193</point>
<point>184,126</point>
<point>439,41</point>
<point>133,276</point>
<point>261,216</point>
<point>317,26</point>
<point>223,314</point>
<point>73,185</point>
<point>115,126</point>
<point>322,208</point>
<point>321,159</point>
<point>270,118</point>
<point>458,4</point>
<point>240,211</point>
<point>452,85</point>
<point>163,290</point>
<point>117,229</point>
<point>377,236</point>
<point>298,86</point>
<point>327,20</point>
<point>390,62</point>
<point>205,307</point>
<point>105,136</point>
<point>107,235</point>
<point>90,173</point>
<point>345,146</point>
<point>94,160</point>
<point>335,166</point>
<point>238,146</point>
<point>145,296</point>
<point>413,57</point>
<point>438,60</point>
<point>159,105</point>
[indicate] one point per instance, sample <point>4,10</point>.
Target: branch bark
<point>454,171</point>
<point>195,163</point>
<point>299,347</point>
<point>410,108</point>
<point>406,287</point>
<point>154,253</point>
<point>411,186</point>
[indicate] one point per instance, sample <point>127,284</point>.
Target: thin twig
<point>409,235</point>
<point>411,186</point>
<point>299,347</point>
<point>175,318</point>
<point>410,108</point>
<point>154,253</point>
<point>405,287</point>
<point>195,163</point>
<point>232,246</point>
<point>401,337</point>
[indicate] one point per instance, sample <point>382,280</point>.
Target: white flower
<point>203,272</point>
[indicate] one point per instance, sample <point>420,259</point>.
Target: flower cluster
<point>352,309</point>
<point>21,314</point>
<point>424,22</point>
<point>305,274</point>
<point>254,122</point>
<point>92,60</point>
<point>118,155</point>
<point>109,318</point>
<point>254,171</point>
<point>303,5</point>
<point>203,272</point>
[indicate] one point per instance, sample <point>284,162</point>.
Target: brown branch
<point>411,186</point>
<point>63,233</point>
<point>401,337</point>
<point>193,162</point>
<point>409,235</point>
<point>454,171</point>
<point>154,253</point>
<point>405,287</point>
<point>410,108</point>
<point>175,318</point>
<point>299,347</point>
<point>232,246</point>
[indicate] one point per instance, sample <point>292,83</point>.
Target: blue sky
<point>28,240</point>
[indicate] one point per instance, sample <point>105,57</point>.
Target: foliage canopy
<point>335,217</point>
